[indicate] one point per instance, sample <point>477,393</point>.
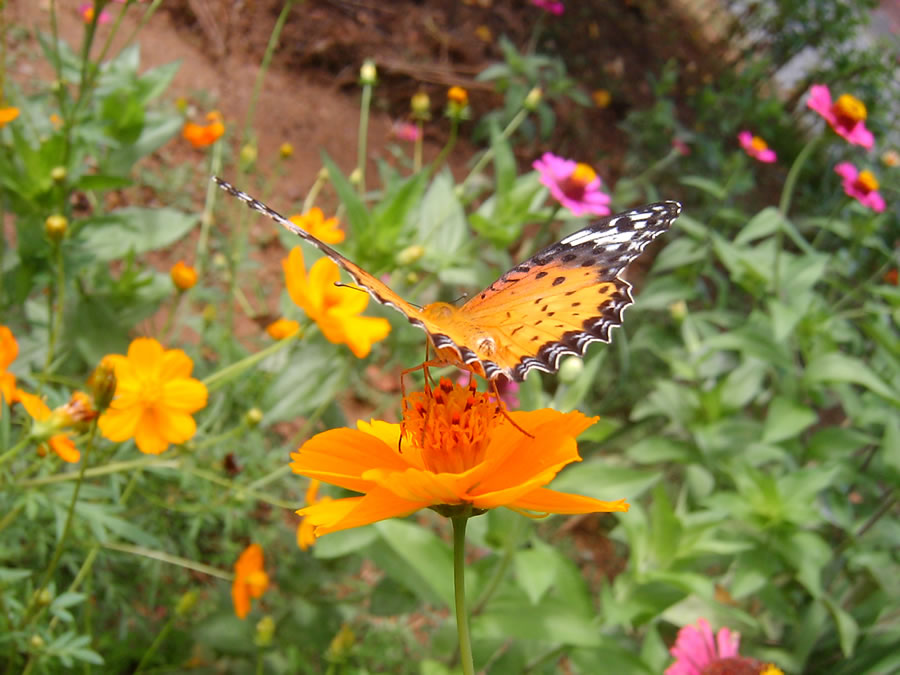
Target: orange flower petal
<point>148,437</point>
<point>185,395</point>
<point>175,427</point>
<point>63,446</point>
<point>120,424</point>
<point>419,485</point>
<point>174,364</point>
<point>543,500</point>
<point>296,281</point>
<point>240,598</point>
<point>343,514</point>
<point>33,405</point>
<point>144,355</point>
<point>9,348</point>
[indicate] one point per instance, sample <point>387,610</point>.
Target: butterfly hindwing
<point>568,295</point>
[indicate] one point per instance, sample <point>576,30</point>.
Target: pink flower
<point>847,115</point>
<point>756,147</point>
<point>552,6</point>
<point>87,14</point>
<point>698,652</point>
<point>861,185</point>
<point>574,185</point>
<point>681,147</point>
<point>405,131</point>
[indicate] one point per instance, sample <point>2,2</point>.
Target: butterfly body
<point>557,302</point>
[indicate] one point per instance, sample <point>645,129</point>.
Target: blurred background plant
<point>749,406</point>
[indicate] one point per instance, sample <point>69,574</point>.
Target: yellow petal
<point>148,437</point>
<point>175,364</point>
<point>173,426</point>
<point>144,355</point>
<point>34,406</point>
<point>185,395</point>
<point>120,425</point>
<point>297,284</point>
<point>550,501</point>
<point>363,331</point>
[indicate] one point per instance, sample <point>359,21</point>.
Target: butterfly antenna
<point>462,297</point>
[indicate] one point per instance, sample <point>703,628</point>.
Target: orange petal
<point>543,500</point>
<point>144,355</point>
<point>341,456</point>
<point>250,560</point>
<point>148,437</point>
<point>9,348</point>
<point>175,364</point>
<point>185,394</point>
<point>418,485</point>
<point>343,514</point>
<point>120,425</point>
<point>297,283</point>
<point>174,426</point>
<point>240,597</point>
<point>64,447</point>
<point>35,407</point>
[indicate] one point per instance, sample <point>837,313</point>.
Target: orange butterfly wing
<point>557,302</point>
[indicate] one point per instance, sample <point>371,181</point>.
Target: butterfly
<point>557,302</point>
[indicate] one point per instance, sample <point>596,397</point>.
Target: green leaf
<point>101,182</point>
<point>429,557</point>
<point>305,383</point>
<point>706,185</point>
<point>655,449</point>
<point>763,224</point>
<point>848,629</point>
<point>600,480</point>
<point>156,80</point>
<point>837,367</point>
<point>391,215</point>
<point>132,230</point>
<point>442,224</point>
<point>786,419</point>
<point>536,570</point>
<point>504,163</point>
<point>551,622</point>
<point>344,542</point>
<point>890,446</point>
<point>157,130</point>
<point>357,215</point>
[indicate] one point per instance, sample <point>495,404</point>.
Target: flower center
<point>151,392</point>
<point>574,185</point>
<point>866,182</point>
<point>738,665</point>
<point>758,144</point>
<point>450,426</point>
<point>849,110</point>
<point>257,582</point>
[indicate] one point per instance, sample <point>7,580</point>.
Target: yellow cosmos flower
<point>183,276</point>
<point>9,350</point>
<point>203,135</point>
<point>47,424</point>
<point>155,397</point>
<point>454,448</point>
<point>7,115</point>
<point>314,222</point>
<point>282,329</point>
<point>306,531</point>
<point>250,579</point>
<point>336,309</point>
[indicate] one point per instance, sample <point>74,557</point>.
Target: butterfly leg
<point>501,406</point>
<point>428,388</point>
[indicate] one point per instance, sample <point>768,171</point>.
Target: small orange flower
<point>336,309</point>
<point>7,115</point>
<point>183,276</point>
<point>203,135</point>
<point>250,579</point>
<point>9,350</point>
<point>892,277</point>
<point>282,329</point>
<point>458,95</point>
<point>155,397</point>
<point>47,425</point>
<point>314,222</point>
<point>454,448</point>
<point>306,531</point>
<point>602,98</point>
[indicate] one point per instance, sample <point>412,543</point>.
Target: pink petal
<point>846,171</point>
<point>820,100</point>
<point>767,156</point>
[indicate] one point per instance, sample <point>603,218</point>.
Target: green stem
<point>170,559</point>
<point>116,467</point>
<point>220,377</point>
<point>459,587</point>
<point>784,205</point>
<point>238,489</point>
<point>362,137</point>
<point>56,301</point>
<point>417,147</point>
<point>314,191</point>
<point>488,154</point>
<point>157,641</point>
<point>11,516</point>
<point>451,142</point>
<point>206,218</point>
<point>29,612</point>
<point>151,10</point>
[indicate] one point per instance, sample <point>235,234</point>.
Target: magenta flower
<point>87,14</point>
<point>756,147</point>
<point>573,184</point>
<point>552,6</point>
<point>861,185</point>
<point>698,652</point>
<point>847,115</point>
<point>405,131</point>
<point>681,147</point>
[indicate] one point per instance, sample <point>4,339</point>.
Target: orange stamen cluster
<point>759,144</point>
<point>866,181</point>
<point>449,426</point>
<point>849,109</point>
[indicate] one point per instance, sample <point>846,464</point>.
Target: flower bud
<point>44,598</point>
<point>36,641</point>
<point>286,150</point>
<point>410,254</point>
<point>183,276</point>
<point>678,310</point>
<point>248,155</point>
<point>103,385</point>
<point>570,369</point>
<point>420,104</point>
<point>368,75</point>
<point>341,644</point>
<point>58,174</point>
<point>534,97</point>
<point>265,631</point>
<point>355,176</point>
<point>186,603</point>
<point>253,417</point>
<point>209,314</point>
<point>55,227</point>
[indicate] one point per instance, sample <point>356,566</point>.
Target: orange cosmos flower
<point>9,350</point>
<point>454,448</point>
<point>336,309</point>
<point>250,579</point>
<point>203,135</point>
<point>47,424</point>
<point>183,276</point>
<point>314,222</point>
<point>7,115</point>
<point>155,397</point>
<point>282,329</point>
<point>306,531</point>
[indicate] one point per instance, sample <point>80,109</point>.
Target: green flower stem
<point>10,517</point>
<point>151,10</point>
<point>234,432</point>
<point>451,142</point>
<point>417,147</point>
<point>55,301</point>
<point>459,586</point>
<point>784,205</point>
<point>488,155</point>
<point>14,450</point>
<point>237,368</point>
<point>157,642</point>
<point>314,191</point>
<point>31,610</point>
<point>362,137</point>
<point>509,551</point>
<point>271,477</point>
<point>105,470</point>
<point>206,218</point>
<point>239,490</point>
<point>170,559</point>
<point>170,315</point>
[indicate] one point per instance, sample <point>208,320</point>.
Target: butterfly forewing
<point>568,295</point>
